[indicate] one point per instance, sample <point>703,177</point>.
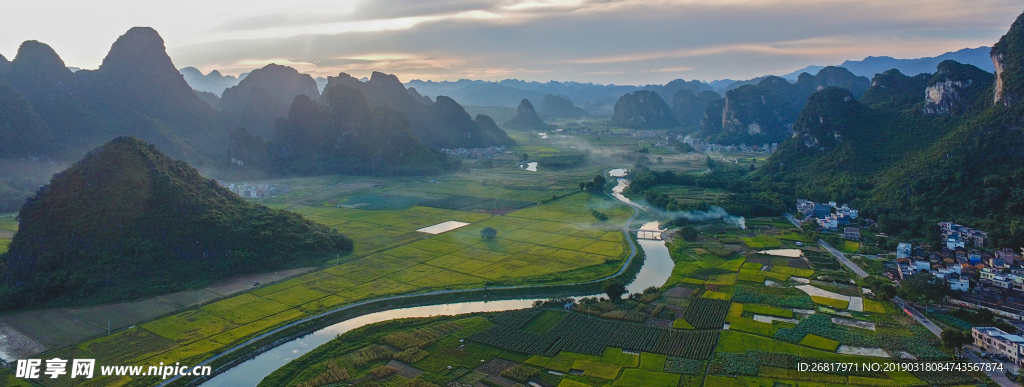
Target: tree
<point>954,338</point>
<point>583,186</point>
<point>923,287</point>
<point>659,160</point>
<point>488,233</point>
<point>809,228</point>
<point>614,290</point>
<point>526,157</point>
<point>599,182</point>
<point>688,233</point>
<point>881,287</point>
<point>799,216</point>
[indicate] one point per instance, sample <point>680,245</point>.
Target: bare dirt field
<point>16,345</point>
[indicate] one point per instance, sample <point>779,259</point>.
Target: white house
<point>953,241</point>
<point>960,284</point>
<point>903,250</point>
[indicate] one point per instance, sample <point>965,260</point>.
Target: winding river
<point>656,269</point>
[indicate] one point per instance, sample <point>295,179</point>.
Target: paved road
<point>625,230</point>
<point>998,376</point>
<point>917,316</point>
<point>793,220</point>
<point>842,258</point>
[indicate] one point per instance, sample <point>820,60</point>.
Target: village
<point>702,146</point>
<point>982,279</point>
<point>255,191</point>
<point>475,153</point>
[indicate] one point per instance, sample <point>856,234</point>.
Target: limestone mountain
<point>419,98</point>
<point>829,116</point>
<point>711,121</point>
<point>956,88</point>
<point>642,109</point>
<point>40,74</point>
<point>560,107</point>
<point>137,75</point>
<point>136,91</point>
<point>765,112</point>
<point>24,134</point>
<point>526,118</point>
<point>4,64</point>
<point>213,82</point>
<point>342,135</point>
<point>442,124</point>
<point>211,99</point>
<point>688,108</point>
<point>265,95</point>
<point>127,222</point>
<point>1008,59</point>
<point>669,90</point>
<point>894,90</point>
<point>485,122</point>
<point>918,150</point>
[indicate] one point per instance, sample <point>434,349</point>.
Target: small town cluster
<point>475,153</point>
<point>979,276</point>
<point>700,145</point>
<point>963,256</point>
<point>255,191</point>
<point>829,216</point>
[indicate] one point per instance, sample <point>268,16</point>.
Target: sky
<point>601,41</point>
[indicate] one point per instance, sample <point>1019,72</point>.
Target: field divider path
<point>625,266</point>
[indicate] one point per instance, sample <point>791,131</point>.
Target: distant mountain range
<point>600,99</point>
<point>51,115</point>
<point>213,82</point>
<point>978,57</point>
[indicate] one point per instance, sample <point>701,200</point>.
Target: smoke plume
<point>714,213</point>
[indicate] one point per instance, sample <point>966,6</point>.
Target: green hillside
<point>953,155</point>
<point>127,222</point>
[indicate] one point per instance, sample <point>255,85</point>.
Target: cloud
<point>605,41</point>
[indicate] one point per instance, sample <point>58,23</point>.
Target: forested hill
<point>339,135</point>
<point>127,222</point>
<point>916,150</point>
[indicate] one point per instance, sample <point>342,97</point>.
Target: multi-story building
<point>964,233</point>
<point>994,340</point>
<point>851,233</point>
